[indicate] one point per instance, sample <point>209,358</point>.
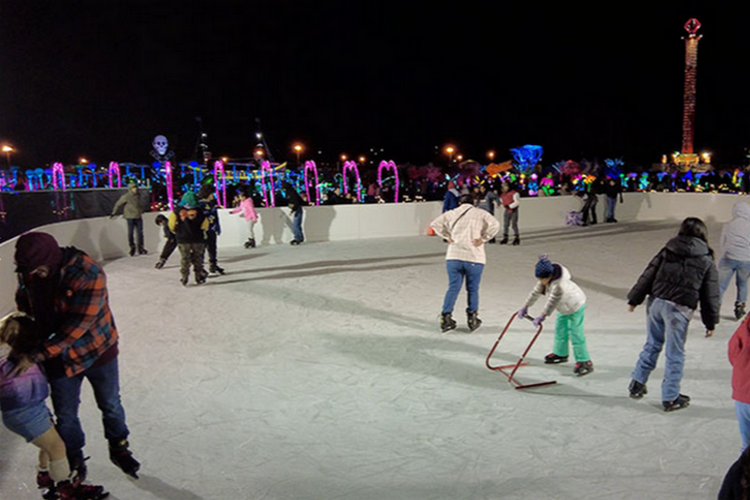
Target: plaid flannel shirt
<point>85,328</point>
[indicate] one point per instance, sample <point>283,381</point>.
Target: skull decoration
<point>160,145</point>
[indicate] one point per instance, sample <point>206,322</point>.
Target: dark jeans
<point>66,397</point>
<point>135,225</point>
<point>297,226</point>
<point>510,219</point>
<point>169,247</point>
<point>211,237</point>
<point>589,208</point>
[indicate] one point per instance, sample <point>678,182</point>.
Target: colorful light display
<point>310,165</point>
<point>691,69</point>
<point>265,166</point>
<point>389,165</point>
<point>220,180</point>
<point>348,167</point>
<point>57,171</point>
<point>168,181</point>
<point>112,171</point>
<point>527,157</point>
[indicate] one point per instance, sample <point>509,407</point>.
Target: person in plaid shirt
<point>466,229</point>
<point>66,292</point>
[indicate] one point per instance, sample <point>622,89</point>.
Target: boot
<point>44,482</point>
<point>78,465</point>
<point>250,243</point>
<point>132,250</point>
<point>637,390</point>
<point>184,280</point>
<point>473,320</point>
<point>122,457</point>
<point>447,322</point>
<point>739,310</point>
<point>504,241</point>
<point>682,401</point>
<point>200,277</point>
<point>583,368</point>
<point>516,241</point>
<point>142,251</point>
<point>160,264</point>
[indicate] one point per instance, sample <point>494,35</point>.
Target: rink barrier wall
<point>106,239</point>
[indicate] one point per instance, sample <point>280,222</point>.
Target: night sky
<point>101,78</point>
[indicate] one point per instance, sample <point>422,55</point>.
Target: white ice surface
<point>319,372</point>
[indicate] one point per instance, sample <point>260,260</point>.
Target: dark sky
<point>101,78</point>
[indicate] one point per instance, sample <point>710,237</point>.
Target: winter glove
<point>522,312</point>
<point>538,321</point>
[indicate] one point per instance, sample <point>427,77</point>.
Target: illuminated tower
<point>688,109</point>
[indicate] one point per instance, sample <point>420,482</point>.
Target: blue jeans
<point>664,324</point>
<point>611,203</point>
<point>457,270</point>
<point>727,267</point>
<point>66,397</point>
<point>742,410</point>
<point>297,226</point>
<point>135,226</point>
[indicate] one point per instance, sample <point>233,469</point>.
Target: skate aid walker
<point>502,368</point>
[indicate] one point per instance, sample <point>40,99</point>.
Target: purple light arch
<point>266,166</point>
<point>168,180</point>
<point>349,166</point>
<point>389,165</point>
<point>57,171</point>
<point>219,168</point>
<point>310,165</point>
<point>114,169</point>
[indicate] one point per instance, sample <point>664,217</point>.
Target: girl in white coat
<point>570,301</point>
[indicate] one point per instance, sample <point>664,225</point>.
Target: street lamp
<point>449,150</point>
<point>8,149</point>
<point>298,149</point>
<point>491,155</point>
<point>362,160</point>
<point>83,161</point>
<point>344,157</point>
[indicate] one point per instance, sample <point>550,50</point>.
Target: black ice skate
<point>516,241</point>
<point>200,277</point>
<point>215,269</point>
<point>250,243</point>
<point>78,465</point>
<point>75,490</point>
<point>184,280</point>
<point>294,242</point>
<point>132,251</point>
<point>637,390</point>
<point>739,310</point>
<point>504,241</point>
<point>447,322</point>
<point>583,368</point>
<point>142,251</point>
<point>473,320</point>
<point>553,359</point>
<point>682,401</point>
<point>160,264</point>
<point>122,457</point>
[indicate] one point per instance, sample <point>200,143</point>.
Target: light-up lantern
<point>58,171</point>
<point>265,166</point>
<point>310,165</point>
<point>114,170</point>
<point>348,166</point>
<point>219,169</point>
<point>389,165</point>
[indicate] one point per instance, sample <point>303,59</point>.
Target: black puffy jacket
<point>683,272</point>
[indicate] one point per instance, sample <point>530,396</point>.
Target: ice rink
<point>319,372</point>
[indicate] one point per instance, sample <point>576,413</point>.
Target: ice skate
<point>75,490</point>
<point>739,310</point>
<point>294,242</point>
<point>583,368</point>
<point>553,359</point>
<point>78,465</point>
<point>504,241</point>
<point>160,264</point>
<point>250,243</point>
<point>142,251</point>
<point>45,483</point>
<point>184,280</point>
<point>516,241</point>
<point>215,269</point>
<point>200,277</point>
<point>132,250</point>
<point>121,456</point>
<point>473,320</point>
<point>447,322</point>
<point>637,390</point>
<point>682,401</point>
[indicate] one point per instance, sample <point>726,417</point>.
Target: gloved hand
<point>538,320</point>
<point>522,312</point>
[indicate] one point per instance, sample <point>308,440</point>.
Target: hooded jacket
<point>683,272</point>
<point>131,205</point>
<point>735,236</point>
<point>739,357</point>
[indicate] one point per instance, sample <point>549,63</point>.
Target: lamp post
<point>491,155</point>
<point>7,149</point>
<point>449,150</point>
<point>298,149</point>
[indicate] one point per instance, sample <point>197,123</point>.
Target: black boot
<point>472,319</point>
<point>739,310</point>
<point>215,269</point>
<point>122,457</point>
<point>504,241</point>
<point>682,401</point>
<point>142,251</point>
<point>447,322</point>
<point>637,390</point>
<point>516,241</point>
<point>132,250</point>
<point>77,463</point>
<point>160,264</point>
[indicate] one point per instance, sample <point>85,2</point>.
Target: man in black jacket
<point>681,275</point>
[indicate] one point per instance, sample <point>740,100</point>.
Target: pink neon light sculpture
<point>310,165</point>
<point>351,165</point>
<point>266,166</point>
<point>168,180</point>
<point>57,170</point>
<point>114,169</point>
<point>388,165</point>
<point>219,167</point>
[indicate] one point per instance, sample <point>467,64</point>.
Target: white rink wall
<point>106,239</point>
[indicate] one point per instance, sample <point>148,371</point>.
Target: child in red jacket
<point>739,357</point>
